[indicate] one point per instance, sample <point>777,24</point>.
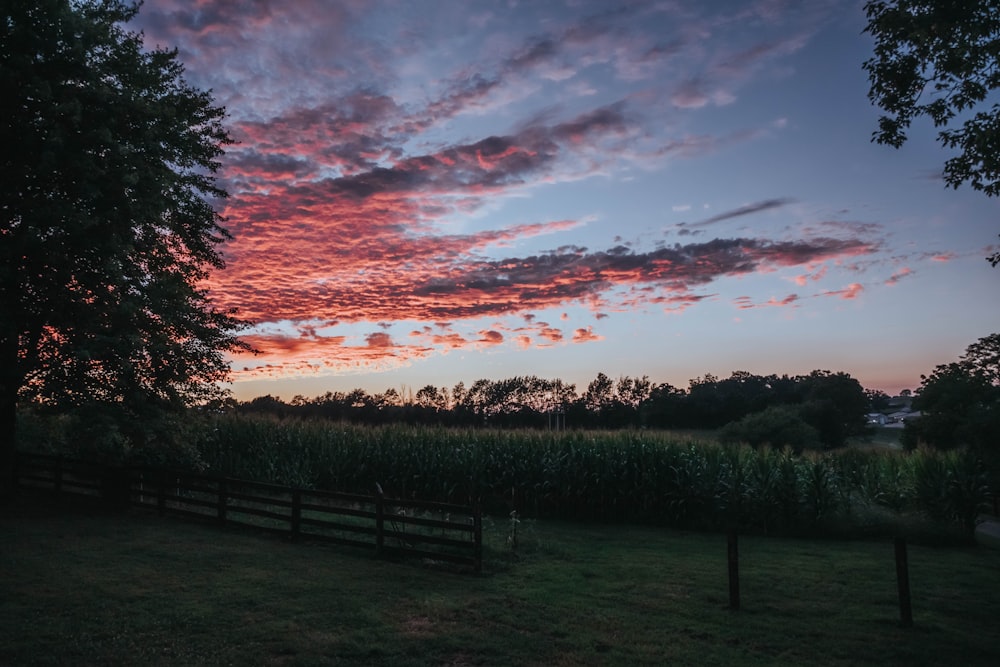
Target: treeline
<point>820,409</point>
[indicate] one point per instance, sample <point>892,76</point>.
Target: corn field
<point>638,476</point>
<point>635,476</point>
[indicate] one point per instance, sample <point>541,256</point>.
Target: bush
<point>109,434</point>
<point>778,426</point>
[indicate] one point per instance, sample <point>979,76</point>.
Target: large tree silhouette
<point>107,224</point>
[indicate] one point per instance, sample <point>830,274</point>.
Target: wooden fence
<point>436,531</point>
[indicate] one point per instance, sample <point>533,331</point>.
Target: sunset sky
<point>426,192</point>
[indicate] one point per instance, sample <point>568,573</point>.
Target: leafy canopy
<point>940,59</point>
<point>108,227</point>
<point>960,401</point>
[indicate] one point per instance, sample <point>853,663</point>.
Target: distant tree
<point>431,398</point>
<point>834,404</point>
<point>600,394</point>
<point>460,410</point>
<point>266,404</point>
<point>361,406</point>
<point>744,393</point>
<point>714,402</point>
<point>877,400</point>
<point>983,358</point>
<point>959,402</point>
<point>615,404</point>
<point>107,226</point>
<point>389,398</point>
<point>704,403</point>
<point>940,59</point>
<point>665,407</point>
<point>478,400</point>
<point>458,393</point>
<point>631,392</point>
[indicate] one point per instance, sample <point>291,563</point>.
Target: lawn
<point>880,437</point>
<point>81,586</point>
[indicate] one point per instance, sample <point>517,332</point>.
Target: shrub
<point>777,426</point>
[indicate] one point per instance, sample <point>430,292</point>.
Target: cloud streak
<point>749,209</point>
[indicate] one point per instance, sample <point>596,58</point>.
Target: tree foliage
<point>940,59</point>
<point>835,404</point>
<point>819,409</point>
<point>107,220</point>
<point>778,426</point>
<point>960,401</point>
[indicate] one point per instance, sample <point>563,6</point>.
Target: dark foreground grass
<point>82,587</point>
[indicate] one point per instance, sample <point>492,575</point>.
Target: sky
<point>434,191</point>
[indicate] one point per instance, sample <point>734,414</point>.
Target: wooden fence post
<point>903,583</point>
<point>379,519</point>
<point>115,486</point>
<point>161,496</point>
<point>733,557</point>
<point>222,500</point>
<point>15,472</point>
<point>296,513</point>
<point>477,536</point>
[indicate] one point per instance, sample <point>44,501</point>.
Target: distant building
<point>902,416</point>
<point>877,419</point>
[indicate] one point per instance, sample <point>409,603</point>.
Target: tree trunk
<point>11,374</point>
<point>8,438</point>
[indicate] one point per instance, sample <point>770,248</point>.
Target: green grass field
<point>879,438</point>
<point>84,587</point>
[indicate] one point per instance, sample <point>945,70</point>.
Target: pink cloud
<point>551,334</point>
<point>490,338</point>
<point>852,291</point>
<point>586,335</point>
<point>343,203</point>
<point>899,275</point>
<point>746,303</point>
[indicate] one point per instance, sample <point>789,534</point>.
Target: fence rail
<point>432,530</point>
